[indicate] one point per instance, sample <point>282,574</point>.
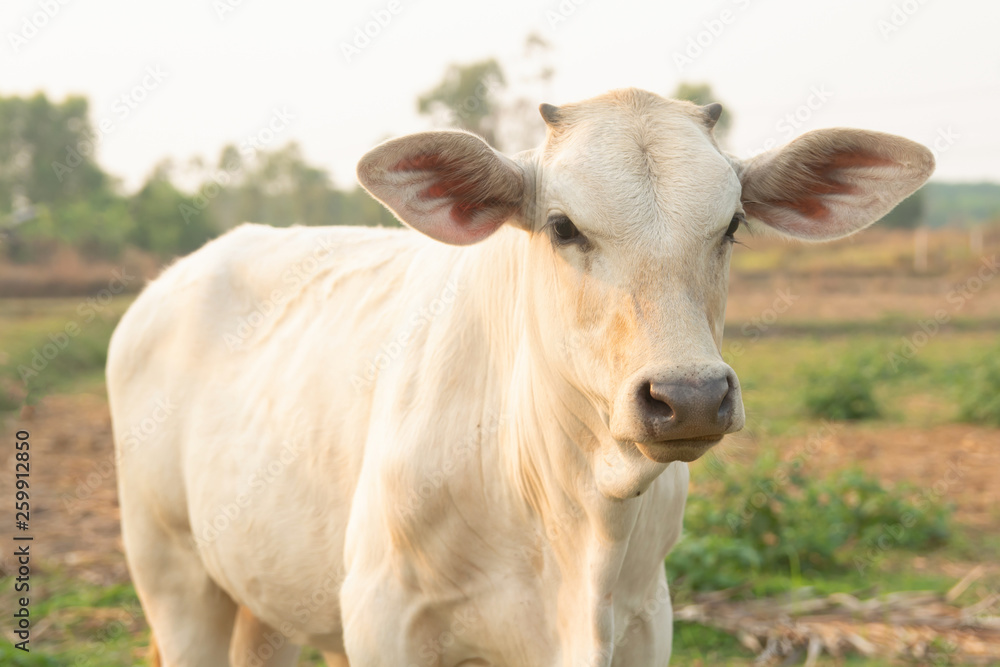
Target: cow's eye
<point>563,229</point>
<point>734,224</point>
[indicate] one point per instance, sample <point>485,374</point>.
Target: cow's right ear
<point>450,185</point>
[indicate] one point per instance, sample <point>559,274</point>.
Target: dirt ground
<point>74,502</point>
<point>817,299</point>
<point>956,463</point>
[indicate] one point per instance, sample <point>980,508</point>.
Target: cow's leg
<point>190,616</point>
<point>257,644</point>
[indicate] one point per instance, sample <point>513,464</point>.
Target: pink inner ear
<point>808,201</point>
<point>449,182</point>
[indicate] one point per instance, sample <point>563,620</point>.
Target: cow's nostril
<point>656,403</point>
<point>727,406</point>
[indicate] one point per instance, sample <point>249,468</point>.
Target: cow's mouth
<point>685,449</point>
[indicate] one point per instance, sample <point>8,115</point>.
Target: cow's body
<point>410,453</point>
<point>255,306</point>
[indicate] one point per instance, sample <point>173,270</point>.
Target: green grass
<point>96,627</point>
<point>53,345</point>
<point>693,641</point>
<point>928,389</point>
<point>83,624</point>
<point>775,518</point>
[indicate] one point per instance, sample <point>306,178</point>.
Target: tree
<point>520,126</point>
<point>47,153</point>
<point>469,94</point>
<point>280,188</point>
<point>160,227</point>
<point>48,164</point>
<point>701,94</point>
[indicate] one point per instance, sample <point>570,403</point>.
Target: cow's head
<point>631,211</point>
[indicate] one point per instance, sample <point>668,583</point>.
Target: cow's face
<point>631,211</point>
<point>636,211</point>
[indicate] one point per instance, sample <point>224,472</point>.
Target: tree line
<point>54,191</point>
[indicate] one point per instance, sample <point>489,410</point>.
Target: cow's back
<point>240,384</point>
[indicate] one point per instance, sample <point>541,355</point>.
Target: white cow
<point>466,446</point>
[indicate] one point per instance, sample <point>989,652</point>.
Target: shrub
<point>844,390</point>
<point>979,400</point>
<point>774,518</point>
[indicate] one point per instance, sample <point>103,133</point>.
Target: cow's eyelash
<point>739,221</point>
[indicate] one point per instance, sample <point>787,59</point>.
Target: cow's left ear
<point>830,183</point>
<point>450,185</point>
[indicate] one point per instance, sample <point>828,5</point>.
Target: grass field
<point>919,413</point>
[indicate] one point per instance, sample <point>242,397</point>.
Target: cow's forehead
<point>628,158</point>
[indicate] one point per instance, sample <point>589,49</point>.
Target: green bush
<point>774,518</point>
<point>979,398</point>
<point>844,389</point>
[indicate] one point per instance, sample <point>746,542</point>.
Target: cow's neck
<point>567,474</point>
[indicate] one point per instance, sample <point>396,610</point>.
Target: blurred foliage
<point>909,213</point>
<point>47,153</point>
<point>53,191</point>
<point>961,203</point>
<point>159,225</point>
<point>774,518</point>
<point>43,363</point>
<point>844,388</point>
<point>469,94</point>
<point>280,188</point>
<point>701,94</point>
<point>979,392</point>
<point>941,204</point>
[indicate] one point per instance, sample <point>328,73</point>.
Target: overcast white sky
<point>927,70</point>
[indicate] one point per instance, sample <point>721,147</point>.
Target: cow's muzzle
<point>677,414</point>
